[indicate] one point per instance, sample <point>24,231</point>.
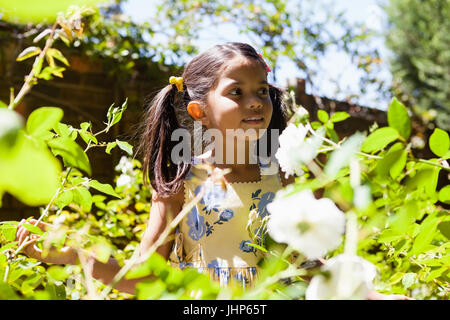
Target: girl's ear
<point>197,113</point>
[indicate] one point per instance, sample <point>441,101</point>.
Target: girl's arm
<point>161,208</point>
<point>105,272</point>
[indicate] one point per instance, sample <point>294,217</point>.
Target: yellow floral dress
<point>216,236</point>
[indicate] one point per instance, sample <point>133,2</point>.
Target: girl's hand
<point>30,248</point>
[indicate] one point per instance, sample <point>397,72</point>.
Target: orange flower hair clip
<point>267,67</point>
<point>178,81</point>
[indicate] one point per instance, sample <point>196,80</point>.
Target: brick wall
<point>85,94</point>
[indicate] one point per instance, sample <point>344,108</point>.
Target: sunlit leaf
<point>398,118</point>
<point>379,139</point>
<point>439,142</point>
<point>29,172</point>
<point>125,146</point>
<point>71,153</point>
<point>28,53</point>
<point>103,187</point>
<point>43,119</point>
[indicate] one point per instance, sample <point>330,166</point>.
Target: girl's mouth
<point>253,120</point>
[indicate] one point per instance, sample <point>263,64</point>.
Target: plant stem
<point>29,82</point>
<point>45,212</point>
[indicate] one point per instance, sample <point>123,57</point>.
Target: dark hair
<point>167,112</point>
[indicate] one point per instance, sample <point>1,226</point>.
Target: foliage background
<point>404,230</point>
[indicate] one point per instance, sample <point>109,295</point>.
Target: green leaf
<point>85,126</point>
<point>58,273</point>
<point>332,134</point>
<point>8,231</point>
<point>83,198</point>
<point>379,139</point>
<point>29,172</point>
<point>425,235</point>
<point>393,162</point>
<point>37,66</point>
<point>28,53</point>
<point>110,146</point>
<point>435,274</point>
<point>3,105</point>
<point>33,229</point>
<point>125,146</point>
<point>444,228</point>
<point>398,118</point>
<point>87,136</point>
<point>257,247</point>
<point>156,264</point>
<point>339,116</point>
<point>315,125</point>
<point>49,72</point>
<point>7,292</point>
<point>322,115</point>
<point>105,188</point>
<point>102,252</point>
<point>396,278</point>
<point>405,216</point>
<point>55,53</point>
<point>71,153</point>
<point>439,142</point>
<point>8,245</point>
<point>115,114</point>
<point>444,194</point>
<point>43,119</point>
<point>64,199</point>
<point>150,290</point>
<point>63,130</point>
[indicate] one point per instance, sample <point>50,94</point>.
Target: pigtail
<point>164,175</point>
<point>279,116</point>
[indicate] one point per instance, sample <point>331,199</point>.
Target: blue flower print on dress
<point>209,229</point>
<point>224,216</point>
<point>241,277</point>
<point>213,196</point>
<point>184,265</point>
<point>196,223</point>
<point>223,272</point>
<point>246,247</point>
<point>266,198</point>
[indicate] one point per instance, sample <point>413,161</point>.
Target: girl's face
<point>241,92</point>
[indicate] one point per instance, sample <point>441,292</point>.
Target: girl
<point>223,88</point>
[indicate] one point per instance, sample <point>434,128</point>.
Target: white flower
<point>125,165</point>
<point>349,277</point>
<point>124,180</point>
<point>417,142</point>
<point>301,112</point>
<point>311,226</point>
<point>294,150</point>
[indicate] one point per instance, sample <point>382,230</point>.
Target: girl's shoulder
<point>173,202</point>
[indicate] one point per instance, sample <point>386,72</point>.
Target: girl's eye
<point>235,91</point>
<point>263,91</point>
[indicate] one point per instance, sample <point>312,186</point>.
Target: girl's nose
<point>255,103</point>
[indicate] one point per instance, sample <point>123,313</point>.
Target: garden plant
<point>386,221</point>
